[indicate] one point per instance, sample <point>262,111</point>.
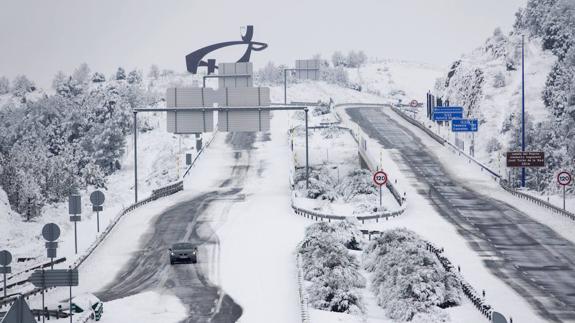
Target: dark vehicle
<point>183,252</point>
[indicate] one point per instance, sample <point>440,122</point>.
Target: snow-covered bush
<point>331,269</point>
<point>407,279</point>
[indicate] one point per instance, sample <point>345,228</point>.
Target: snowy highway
<point>530,257</point>
<point>188,221</point>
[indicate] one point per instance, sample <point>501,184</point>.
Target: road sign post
<point>380,179</point>
<point>51,233</point>
<point>75,211</point>
<point>564,179</point>
<point>97,198</point>
<point>5,260</point>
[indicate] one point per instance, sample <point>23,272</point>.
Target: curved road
<point>149,269</point>
<point>532,258</point>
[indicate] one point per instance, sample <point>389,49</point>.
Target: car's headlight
<point>172,254</point>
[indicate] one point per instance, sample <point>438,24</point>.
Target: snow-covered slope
<point>487,84</point>
<point>396,80</point>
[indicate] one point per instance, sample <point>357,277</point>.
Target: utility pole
<point>135,157</point>
<point>523,106</point>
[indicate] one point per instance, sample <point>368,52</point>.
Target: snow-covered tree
<point>21,85</point>
<point>82,74</point>
<point>338,59</point>
<point>134,77</point>
<point>98,78</point>
<point>154,72</point>
<point>120,74</point>
<point>4,85</point>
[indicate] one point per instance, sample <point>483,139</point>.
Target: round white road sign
<point>380,178</point>
<point>564,178</point>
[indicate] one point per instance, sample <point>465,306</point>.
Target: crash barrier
<point>156,194</point>
<point>303,301</point>
<point>199,154</point>
<point>538,201</point>
<point>317,216</point>
<point>27,270</point>
<point>470,292</point>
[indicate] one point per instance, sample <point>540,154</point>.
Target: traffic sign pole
<point>306,152</point>
<point>564,179</point>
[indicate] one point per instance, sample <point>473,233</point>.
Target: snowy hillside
<point>487,83</point>
<point>396,80</point>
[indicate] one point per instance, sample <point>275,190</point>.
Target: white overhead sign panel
<point>309,69</point>
<point>236,75</point>
<point>226,97</point>
<point>185,122</point>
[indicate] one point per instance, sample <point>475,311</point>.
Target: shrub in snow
<point>321,185</point>
<point>407,279</point>
<point>331,269</point>
<point>357,182</point>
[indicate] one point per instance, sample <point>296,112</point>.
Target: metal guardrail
<point>199,154</point>
<point>468,290</point>
<point>317,216</point>
<point>157,194</point>
<point>538,201</point>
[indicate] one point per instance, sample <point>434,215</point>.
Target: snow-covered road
<point>529,256</point>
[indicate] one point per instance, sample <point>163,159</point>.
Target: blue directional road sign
<point>447,113</point>
<point>464,125</point>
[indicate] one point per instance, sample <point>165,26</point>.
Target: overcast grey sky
<point>40,37</point>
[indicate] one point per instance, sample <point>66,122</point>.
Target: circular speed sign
<point>564,178</point>
<point>414,103</point>
<point>380,178</point>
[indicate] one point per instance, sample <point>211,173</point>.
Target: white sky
<point>40,37</point>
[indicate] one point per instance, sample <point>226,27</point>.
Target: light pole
<point>135,157</point>
<point>523,106</point>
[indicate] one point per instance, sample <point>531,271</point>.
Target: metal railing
<point>537,201</point>
<point>317,216</point>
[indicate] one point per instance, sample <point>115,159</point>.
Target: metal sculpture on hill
<point>196,58</point>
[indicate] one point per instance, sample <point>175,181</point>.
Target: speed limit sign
<point>414,103</point>
<point>380,178</point>
<point>564,178</point>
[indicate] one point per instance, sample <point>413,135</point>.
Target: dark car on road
<point>183,252</point>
